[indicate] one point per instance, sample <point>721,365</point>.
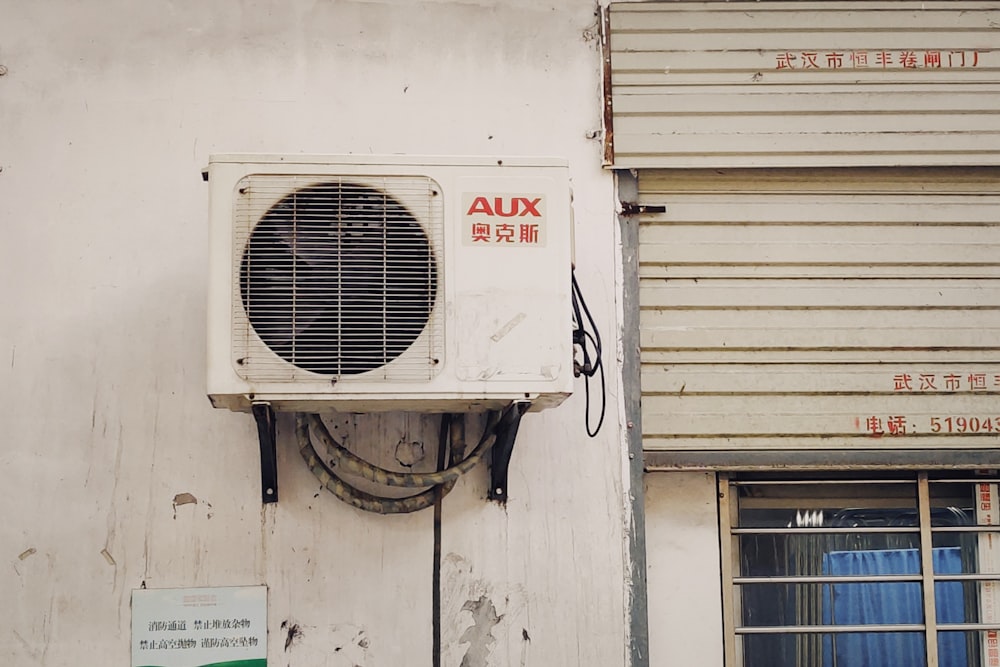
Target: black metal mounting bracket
<point>634,208</point>
<point>264,414</point>
<point>502,450</point>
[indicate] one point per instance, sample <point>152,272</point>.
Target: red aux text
<point>505,207</point>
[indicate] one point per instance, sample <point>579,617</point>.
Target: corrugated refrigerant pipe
<point>344,460</point>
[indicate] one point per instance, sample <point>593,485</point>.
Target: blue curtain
<point>864,603</point>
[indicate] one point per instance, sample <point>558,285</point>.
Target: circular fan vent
<point>338,278</point>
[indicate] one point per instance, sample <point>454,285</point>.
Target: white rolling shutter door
<point>800,84</point>
<point>819,311</point>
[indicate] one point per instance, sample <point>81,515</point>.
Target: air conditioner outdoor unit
<point>362,284</point>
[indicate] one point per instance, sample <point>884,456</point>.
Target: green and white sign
<point>200,627</point>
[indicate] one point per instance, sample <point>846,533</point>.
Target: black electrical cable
<point>443,440</point>
<point>589,367</point>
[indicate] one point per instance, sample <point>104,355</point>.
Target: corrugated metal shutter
<point>815,310</point>
<point>781,84</point>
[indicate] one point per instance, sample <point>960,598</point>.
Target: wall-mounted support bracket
<point>503,448</point>
<point>264,415</point>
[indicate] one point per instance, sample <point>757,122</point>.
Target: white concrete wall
<point>684,570</point>
<point>108,111</point>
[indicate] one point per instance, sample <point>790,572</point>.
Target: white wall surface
<point>684,571</point>
<point>108,111</point>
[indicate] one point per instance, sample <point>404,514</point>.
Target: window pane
<point>967,649</point>
<point>782,604</point>
<point>847,649</point>
<point>952,504</point>
<point>884,649</point>
<point>841,603</point>
<point>959,553</point>
<point>777,650</point>
<point>839,554</point>
<point>806,554</point>
<point>959,505</point>
<point>840,530</point>
<point>842,505</point>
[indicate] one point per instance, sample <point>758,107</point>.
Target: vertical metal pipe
<point>730,563</point>
<point>927,569</point>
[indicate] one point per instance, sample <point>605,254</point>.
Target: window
<point>902,570</point>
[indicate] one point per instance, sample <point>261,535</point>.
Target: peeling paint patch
<point>487,620</point>
<point>479,636</point>
<point>27,553</point>
<point>409,453</point>
<point>183,499</point>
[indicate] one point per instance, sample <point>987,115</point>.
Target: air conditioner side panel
<point>511,277</point>
<point>225,388</point>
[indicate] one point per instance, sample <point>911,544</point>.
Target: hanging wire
<point>587,340</point>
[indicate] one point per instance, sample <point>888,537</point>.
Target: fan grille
<point>337,276</point>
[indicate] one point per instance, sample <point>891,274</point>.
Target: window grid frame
<point>730,533</point>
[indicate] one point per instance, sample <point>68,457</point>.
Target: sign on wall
<point>200,627</point>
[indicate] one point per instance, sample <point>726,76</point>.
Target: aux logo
<point>506,207</point>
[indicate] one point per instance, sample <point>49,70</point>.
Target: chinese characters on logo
<point>485,232</point>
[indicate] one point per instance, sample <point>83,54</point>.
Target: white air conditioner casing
<point>364,283</point>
